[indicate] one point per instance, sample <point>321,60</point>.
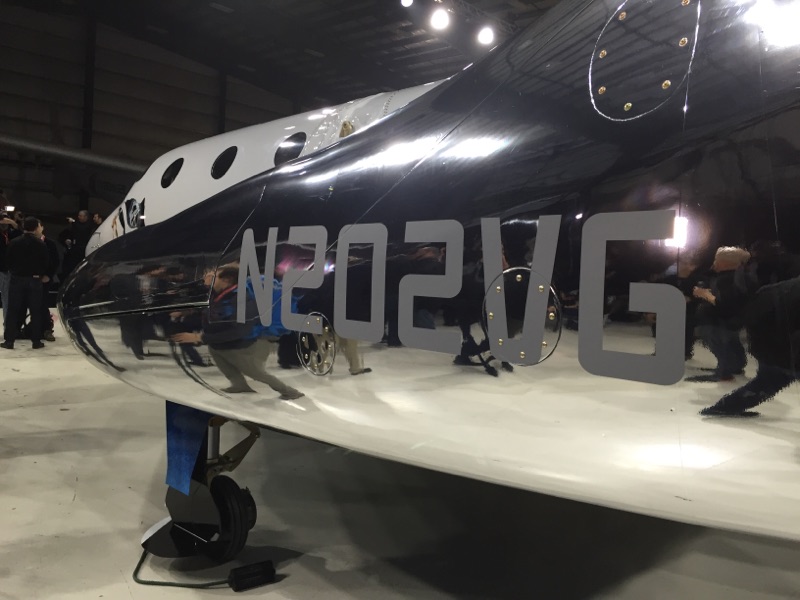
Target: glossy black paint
<point>518,136</point>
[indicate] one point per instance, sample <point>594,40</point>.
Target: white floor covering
<point>82,467</point>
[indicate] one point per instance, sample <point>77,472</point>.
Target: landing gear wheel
<point>237,514</point>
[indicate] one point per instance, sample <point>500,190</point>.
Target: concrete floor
<point>82,464</point>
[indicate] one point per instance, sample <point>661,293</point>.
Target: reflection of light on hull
<point>680,234</point>
<point>778,22</point>
<point>684,456</point>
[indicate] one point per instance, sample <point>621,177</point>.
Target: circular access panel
<point>512,285</point>
<point>643,56</point>
<point>317,351</point>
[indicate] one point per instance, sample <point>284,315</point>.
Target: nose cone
<point>119,311</point>
<point>136,306</point>
<point>126,316</point>
<point>159,267</point>
<point>110,283</point>
<point>127,304</point>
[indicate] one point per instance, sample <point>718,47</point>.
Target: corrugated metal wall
<point>146,101</point>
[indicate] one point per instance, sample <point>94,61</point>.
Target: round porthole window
<point>290,148</point>
<point>223,162</point>
<point>171,173</point>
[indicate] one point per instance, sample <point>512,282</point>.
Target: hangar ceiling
<point>313,52</point>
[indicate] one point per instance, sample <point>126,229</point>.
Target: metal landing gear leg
<point>215,517</point>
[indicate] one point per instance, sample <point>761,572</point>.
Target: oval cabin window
<point>171,173</point>
<point>290,148</point>
<point>223,162</point>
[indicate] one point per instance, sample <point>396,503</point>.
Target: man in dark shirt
<point>8,231</point>
<point>27,261</point>
<point>81,231</point>
<point>720,315</point>
<point>75,238</point>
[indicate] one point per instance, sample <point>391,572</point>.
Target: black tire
<point>236,513</point>
<point>250,509</point>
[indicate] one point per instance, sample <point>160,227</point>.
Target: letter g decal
<point>667,365</point>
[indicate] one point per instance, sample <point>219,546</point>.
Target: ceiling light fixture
<point>486,36</point>
<point>406,3</point>
<point>440,19</point>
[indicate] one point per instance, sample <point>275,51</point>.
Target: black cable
<point>193,586</point>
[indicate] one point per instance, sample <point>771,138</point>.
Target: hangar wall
<point>144,101</point>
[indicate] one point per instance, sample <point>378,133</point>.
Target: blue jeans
<point>726,346</point>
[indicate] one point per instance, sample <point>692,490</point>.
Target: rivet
<point>327,330</point>
<point>603,54</point>
<point>491,316</point>
<point>544,344</point>
<point>306,356</point>
<point>541,289</point>
<point>602,90</point>
<point>318,319</point>
<point>683,42</point>
<point>627,106</point>
<point>666,84</point>
<point>499,342</point>
<point>304,339</point>
<point>522,355</point>
<point>519,277</point>
<point>622,15</point>
<point>686,2</point>
<point>498,289</point>
<point>552,316</point>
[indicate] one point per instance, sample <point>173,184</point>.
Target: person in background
<point>27,261</point>
<point>19,219</point>
<point>720,315</point>
<point>81,231</point>
<point>97,220</point>
<point>48,325</point>
<point>238,349</point>
<point>8,231</point>
<point>75,239</point>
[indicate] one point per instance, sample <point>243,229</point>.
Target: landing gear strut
<point>216,516</point>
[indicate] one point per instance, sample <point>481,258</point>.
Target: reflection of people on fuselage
<point>425,260</point>
<point>770,263</point>
<point>773,329</point>
<point>186,322</point>
<point>720,316</point>
<point>518,237</point>
<point>684,275</point>
<point>134,327</point>
<point>85,339</point>
<point>321,301</point>
<point>239,350</point>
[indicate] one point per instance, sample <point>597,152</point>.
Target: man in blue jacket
<point>238,349</point>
